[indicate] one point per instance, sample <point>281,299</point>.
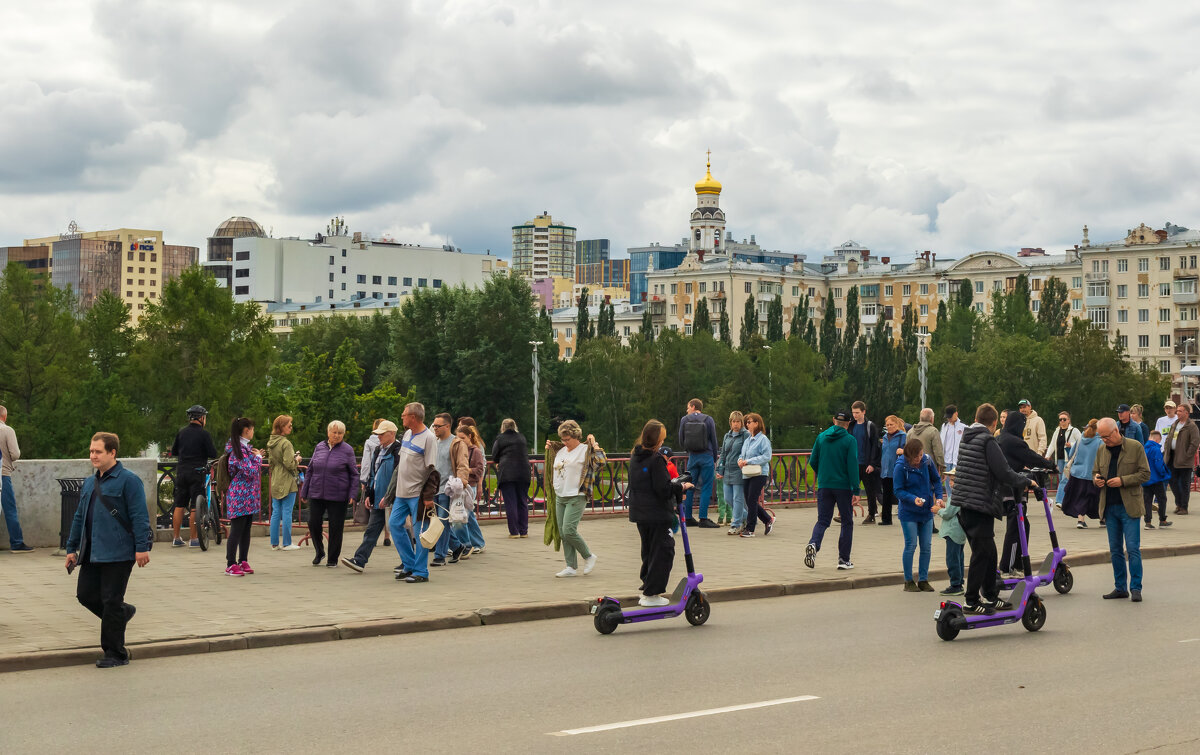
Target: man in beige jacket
<point>1035,427</point>
<point>10,452</point>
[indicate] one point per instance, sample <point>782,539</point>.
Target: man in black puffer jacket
<point>983,479</point>
<point>1020,457</point>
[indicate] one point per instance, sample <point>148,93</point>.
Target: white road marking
<point>1195,639</point>
<point>679,716</point>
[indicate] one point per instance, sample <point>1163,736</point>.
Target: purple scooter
<point>687,598</point>
<point>1027,607</point>
<point>1054,570</point>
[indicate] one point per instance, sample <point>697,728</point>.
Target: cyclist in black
<point>193,447</point>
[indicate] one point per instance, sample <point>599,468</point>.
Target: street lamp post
<point>922,364</point>
<point>536,380</point>
<point>770,399</point>
<point>1187,342</point>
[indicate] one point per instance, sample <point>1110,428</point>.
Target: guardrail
<point>792,482</point>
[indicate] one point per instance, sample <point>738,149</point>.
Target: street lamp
<point>1186,343</point>
<point>536,380</point>
<point>770,398</point>
<point>922,364</point>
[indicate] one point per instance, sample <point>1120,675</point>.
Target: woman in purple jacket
<point>329,486</point>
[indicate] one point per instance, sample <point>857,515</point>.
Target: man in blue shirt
<point>110,532</point>
<point>698,436</point>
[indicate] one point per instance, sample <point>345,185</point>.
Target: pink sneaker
<point>246,568</point>
<point>234,571</point>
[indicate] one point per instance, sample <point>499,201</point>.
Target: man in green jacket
<point>835,460</point>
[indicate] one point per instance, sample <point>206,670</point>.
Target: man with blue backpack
<point>698,436</point>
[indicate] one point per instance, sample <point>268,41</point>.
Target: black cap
<point>1122,408</point>
<point>841,415</point>
<point>665,451</point>
<point>951,410</point>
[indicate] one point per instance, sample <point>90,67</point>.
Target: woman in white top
<point>575,464</point>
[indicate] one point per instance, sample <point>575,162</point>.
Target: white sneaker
<point>568,572</point>
<point>292,547</point>
<point>275,548</point>
<point>589,563</point>
<point>845,565</point>
<point>653,601</point>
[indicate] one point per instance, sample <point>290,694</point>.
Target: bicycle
<point>208,513</point>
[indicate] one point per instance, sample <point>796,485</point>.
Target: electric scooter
<point>1027,607</point>
<point>687,598</point>
<point>1054,570</point>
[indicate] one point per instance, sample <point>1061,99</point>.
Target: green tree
<point>799,324</point>
<point>829,339</point>
<point>702,321</point>
<point>1054,308</point>
<point>199,346</point>
<point>105,400</point>
<point>939,331</point>
<point>775,320</point>
<point>583,326</point>
<point>850,335</point>
<point>1011,312</point>
<point>723,326</point>
<point>749,324</point>
<point>43,360</point>
<point>647,330</point>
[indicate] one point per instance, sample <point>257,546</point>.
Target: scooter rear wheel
<point>607,619</point>
<point>945,629</point>
<point>1034,617</point>
<point>697,609</point>
<point>1063,579</point>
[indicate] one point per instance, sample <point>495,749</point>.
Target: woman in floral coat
<point>244,498</point>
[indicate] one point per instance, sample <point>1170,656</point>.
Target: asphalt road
<point>1102,676</point>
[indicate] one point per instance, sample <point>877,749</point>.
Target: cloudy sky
<point>902,125</point>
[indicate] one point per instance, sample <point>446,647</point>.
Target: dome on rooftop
<point>239,227</point>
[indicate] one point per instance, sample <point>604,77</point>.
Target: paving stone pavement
<point>184,593</point>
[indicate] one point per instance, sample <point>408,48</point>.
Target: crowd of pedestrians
<point>421,488</point>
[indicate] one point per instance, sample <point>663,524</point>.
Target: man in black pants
<point>111,531</point>
<point>193,447</point>
<point>870,452</point>
<point>983,480</point>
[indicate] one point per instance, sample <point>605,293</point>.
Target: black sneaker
<point>350,563</point>
<point>693,522</point>
<point>1165,523</point>
<point>810,555</point>
<point>1135,596</point>
<point>1000,604</point>
<point>1149,526</point>
<point>107,662</point>
<point>455,554</point>
<point>401,571</point>
<point>843,565</point>
<point>979,609</point>
<point>439,561</point>
<point>415,578</point>
<point>1116,595</point>
<point>23,548</point>
<point>770,526</point>
<point>708,524</point>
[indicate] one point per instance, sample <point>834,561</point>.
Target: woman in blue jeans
<point>919,489</point>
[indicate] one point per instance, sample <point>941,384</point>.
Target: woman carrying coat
<point>756,451</point>
<point>510,453</point>
<point>652,506</point>
<point>1081,496</point>
<point>284,475</point>
<point>330,486</point>
<point>730,474</point>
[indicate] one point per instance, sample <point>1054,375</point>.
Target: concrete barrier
<point>39,497</point>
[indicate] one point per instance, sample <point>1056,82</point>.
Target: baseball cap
<point>387,426</point>
<point>1023,402</point>
<point>1169,404</point>
<point>841,415</point>
<point>1122,408</point>
<point>666,451</point>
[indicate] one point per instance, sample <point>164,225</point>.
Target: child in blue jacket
<point>1156,487</point>
<point>918,486</point>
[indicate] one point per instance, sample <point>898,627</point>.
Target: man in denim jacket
<point>111,531</point>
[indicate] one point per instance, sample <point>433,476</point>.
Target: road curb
<point>492,615</point>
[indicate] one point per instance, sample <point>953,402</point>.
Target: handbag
<point>432,532</point>
<point>752,470</point>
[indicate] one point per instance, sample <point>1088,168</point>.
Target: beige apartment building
<point>133,263</point>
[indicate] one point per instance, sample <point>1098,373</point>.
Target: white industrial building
<point>338,267</point>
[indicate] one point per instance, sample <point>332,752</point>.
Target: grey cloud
<point>882,86</point>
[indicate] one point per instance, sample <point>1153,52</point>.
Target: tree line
<point>65,373</point>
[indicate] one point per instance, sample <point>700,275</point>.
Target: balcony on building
<point>1096,292</point>
<point>1181,337</point>
<point>1183,291</point>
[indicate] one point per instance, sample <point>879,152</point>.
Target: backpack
<point>694,436</point>
<point>221,476</point>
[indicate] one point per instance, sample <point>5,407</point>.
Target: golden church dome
<point>709,185</point>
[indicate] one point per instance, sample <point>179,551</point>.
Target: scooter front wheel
<point>1034,617</point>
<point>607,618</point>
<point>1063,579</point>
<point>697,609</point>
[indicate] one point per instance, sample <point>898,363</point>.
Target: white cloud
<point>902,125</point>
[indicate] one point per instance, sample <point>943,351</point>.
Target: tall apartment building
<point>337,266</point>
<point>588,251</point>
<point>132,263</point>
<point>608,273</point>
<point>542,248</point>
